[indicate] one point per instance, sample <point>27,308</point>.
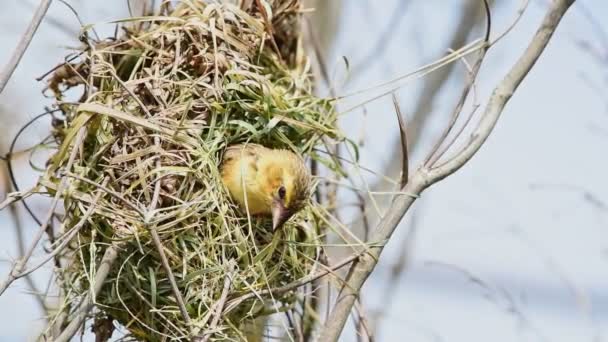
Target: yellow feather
<point>254,174</point>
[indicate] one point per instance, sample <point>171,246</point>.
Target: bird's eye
<point>282,192</point>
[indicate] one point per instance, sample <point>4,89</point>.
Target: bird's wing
<point>235,152</point>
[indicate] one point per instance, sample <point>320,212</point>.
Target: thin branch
<point>24,43</point>
<point>108,191</point>
<point>18,196</point>
<point>10,155</point>
<point>505,90</point>
<point>218,307</point>
<point>455,137</point>
<point>87,303</point>
<point>127,89</point>
<point>401,264</point>
<point>232,304</point>
<point>363,328</point>
<point>159,246</point>
<point>71,234</point>
<point>425,105</point>
<point>294,326</point>
<point>404,148</point>
<point>21,263</point>
<point>67,61</point>
<point>423,178</point>
<point>434,156</point>
<point>19,233</point>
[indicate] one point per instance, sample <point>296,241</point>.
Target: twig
<point>468,119</point>
<point>24,43</point>
<point>108,191</point>
<point>66,62</point>
<point>17,196</point>
<point>159,246</point>
<point>9,162</point>
<point>218,307</point>
<point>70,235</point>
<point>423,178</point>
<point>505,90</point>
<point>232,304</point>
<point>404,148</point>
<point>431,88</point>
<point>56,326</point>
<point>294,326</point>
<point>21,263</point>
<point>269,29</point>
<point>435,81</point>
<point>520,13</point>
<point>363,328</point>
<point>397,269</point>
<point>127,89</point>
<point>21,246</point>
<point>434,155</point>
<point>167,267</point>
<point>87,303</point>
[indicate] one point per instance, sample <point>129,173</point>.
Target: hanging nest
<point>140,150</point>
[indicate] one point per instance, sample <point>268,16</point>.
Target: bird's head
<point>287,185</point>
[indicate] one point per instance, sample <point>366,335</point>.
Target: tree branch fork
<point>429,174</point>
<point>425,176</point>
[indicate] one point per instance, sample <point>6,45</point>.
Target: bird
<point>265,181</point>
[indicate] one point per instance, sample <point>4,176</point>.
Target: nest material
<point>160,104</point>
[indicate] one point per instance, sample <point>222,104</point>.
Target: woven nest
<point>140,151</point>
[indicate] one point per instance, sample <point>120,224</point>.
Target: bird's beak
<point>279,215</point>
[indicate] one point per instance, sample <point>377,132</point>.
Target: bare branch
<point>24,43</point>
<point>9,163</point>
<point>69,235</point>
<point>423,178</point>
<point>434,156</point>
<point>218,307</point>
<point>475,105</point>
<point>505,90</point>
<point>403,137</point>
<point>87,303</point>
<point>21,263</point>
<point>232,304</point>
<point>435,81</point>
<point>401,264</point>
<point>363,328</point>
<point>19,230</point>
<point>108,191</point>
<point>431,88</point>
<point>161,252</point>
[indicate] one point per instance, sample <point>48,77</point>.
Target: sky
<point>510,248</point>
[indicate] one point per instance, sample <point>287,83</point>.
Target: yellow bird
<point>266,182</point>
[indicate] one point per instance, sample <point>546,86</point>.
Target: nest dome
<point>141,149</point>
